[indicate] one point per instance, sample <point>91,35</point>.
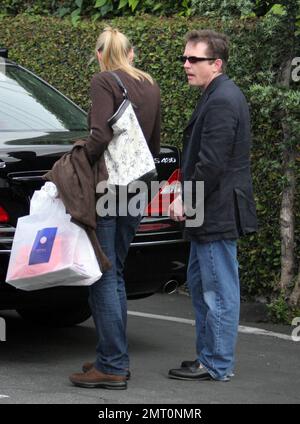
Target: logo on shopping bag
<point>42,246</point>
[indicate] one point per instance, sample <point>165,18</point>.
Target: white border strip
<point>242,329</point>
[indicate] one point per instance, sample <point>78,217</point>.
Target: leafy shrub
<point>95,9</point>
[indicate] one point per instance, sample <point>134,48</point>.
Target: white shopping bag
<point>48,249</point>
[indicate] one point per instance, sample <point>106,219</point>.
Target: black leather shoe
<point>196,363</point>
<point>190,373</point>
<point>197,373</point>
<point>188,364</point>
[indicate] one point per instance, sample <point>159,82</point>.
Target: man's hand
<point>176,210</point>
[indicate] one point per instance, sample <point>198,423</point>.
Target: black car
<point>38,124</point>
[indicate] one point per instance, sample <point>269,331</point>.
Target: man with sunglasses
<point>216,150</point>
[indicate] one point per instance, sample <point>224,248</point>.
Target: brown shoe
<point>94,378</point>
<point>89,365</point>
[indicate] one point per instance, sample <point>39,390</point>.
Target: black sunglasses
<point>195,59</point>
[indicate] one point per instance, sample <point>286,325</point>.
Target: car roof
<point>4,57</point>
<point>3,52</point>
<point>7,61</point>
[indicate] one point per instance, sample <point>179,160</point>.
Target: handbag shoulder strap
<point>120,84</point>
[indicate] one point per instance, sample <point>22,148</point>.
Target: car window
<point>28,104</point>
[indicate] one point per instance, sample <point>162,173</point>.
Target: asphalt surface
<point>35,362</point>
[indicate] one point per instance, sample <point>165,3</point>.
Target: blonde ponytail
<point>115,48</point>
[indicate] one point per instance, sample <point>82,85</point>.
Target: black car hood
<point>34,150</point>
<point>25,138</point>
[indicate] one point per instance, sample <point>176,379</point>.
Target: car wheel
<point>57,316</point>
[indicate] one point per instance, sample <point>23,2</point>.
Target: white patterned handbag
<point>127,156</point>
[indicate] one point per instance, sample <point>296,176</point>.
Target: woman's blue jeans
<point>213,282</point>
<point>108,295</point>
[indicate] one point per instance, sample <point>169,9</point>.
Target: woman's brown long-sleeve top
<point>106,97</point>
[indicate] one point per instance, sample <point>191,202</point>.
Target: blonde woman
<point>110,369</point>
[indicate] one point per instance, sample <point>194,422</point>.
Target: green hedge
<point>96,9</point>
<point>60,54</point>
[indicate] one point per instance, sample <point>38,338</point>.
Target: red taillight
<point>4,217</point>
<point>166,195</point>
<point>153,227</point>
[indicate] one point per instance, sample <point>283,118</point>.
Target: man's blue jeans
<point>108,296</point>
<point>213,282</point>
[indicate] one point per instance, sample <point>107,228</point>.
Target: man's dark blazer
<point>216,150</point>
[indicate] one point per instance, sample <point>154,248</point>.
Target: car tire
<point>54,316</point>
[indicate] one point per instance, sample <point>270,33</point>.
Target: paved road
<point>35,362</point>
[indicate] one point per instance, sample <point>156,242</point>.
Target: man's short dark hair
<point>217,43</point>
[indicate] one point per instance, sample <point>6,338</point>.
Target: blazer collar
<point>216,82</point>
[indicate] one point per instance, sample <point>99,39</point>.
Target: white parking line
<point>262,332</point>
<point>242,329</point>
<point>4,396</point>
